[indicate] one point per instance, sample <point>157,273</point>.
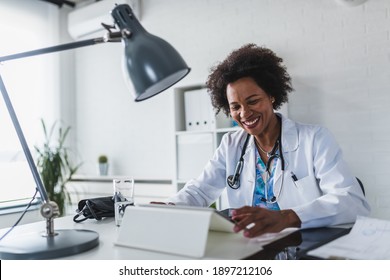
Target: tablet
<point>220,220</point>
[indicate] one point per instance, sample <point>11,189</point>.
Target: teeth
<point>251,122</point>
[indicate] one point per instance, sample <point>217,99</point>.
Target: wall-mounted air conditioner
<point>85,22</point>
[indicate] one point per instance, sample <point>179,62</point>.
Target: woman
<point>292,174</point>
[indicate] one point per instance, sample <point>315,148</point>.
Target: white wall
<point>338,57</point>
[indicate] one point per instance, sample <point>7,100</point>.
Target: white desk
<point>219,245</point>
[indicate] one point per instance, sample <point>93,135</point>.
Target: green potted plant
<point>103,165</point>
<point>54,166</point>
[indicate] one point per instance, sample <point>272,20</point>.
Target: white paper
<point>369,239</point>
<point>268,238</point>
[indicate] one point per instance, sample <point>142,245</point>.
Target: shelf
<point>193,132</point>
<point>218,130</point>
<point>227,129</point>
<point>109,178</point>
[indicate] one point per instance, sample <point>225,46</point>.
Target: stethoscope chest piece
<point>233,182</point>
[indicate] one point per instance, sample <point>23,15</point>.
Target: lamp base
<point>36,246</point>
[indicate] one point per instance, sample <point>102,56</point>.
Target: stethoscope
<point>233,181</point>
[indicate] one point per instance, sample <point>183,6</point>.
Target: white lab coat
<point>326,192</point>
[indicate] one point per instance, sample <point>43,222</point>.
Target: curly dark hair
<point>260,64</point>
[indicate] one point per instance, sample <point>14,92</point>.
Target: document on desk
<point>267,238</point>
<point>369,239</point>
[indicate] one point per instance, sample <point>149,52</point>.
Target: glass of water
<point>123,197</point>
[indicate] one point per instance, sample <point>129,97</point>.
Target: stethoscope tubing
<point>233,181</point>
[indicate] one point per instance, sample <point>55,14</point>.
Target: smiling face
<point>251,107</point>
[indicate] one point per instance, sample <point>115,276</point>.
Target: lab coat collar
<point>289,144</point>
<point>289,134</point>
<point>289,137</point>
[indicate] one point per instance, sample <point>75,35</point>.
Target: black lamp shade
<point>153,65</point>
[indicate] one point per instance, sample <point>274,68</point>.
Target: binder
<point>192,110</point>
<point>199,114</point>
<point>207,112</point>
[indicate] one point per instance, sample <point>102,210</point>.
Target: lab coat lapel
<point>289,144</point>
<point>289,136</point>
<point>278,179</point>
<point>249,177</point>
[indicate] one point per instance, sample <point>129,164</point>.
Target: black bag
<point>94,208</point>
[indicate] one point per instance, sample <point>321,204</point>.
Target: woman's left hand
<point>256,221</point>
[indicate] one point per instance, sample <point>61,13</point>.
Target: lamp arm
<point>49,209</point>
<point>63,47</point>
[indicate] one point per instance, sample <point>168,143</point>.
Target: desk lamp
<point>153,65</point>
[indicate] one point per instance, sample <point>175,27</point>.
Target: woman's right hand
<point>255,221</point>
